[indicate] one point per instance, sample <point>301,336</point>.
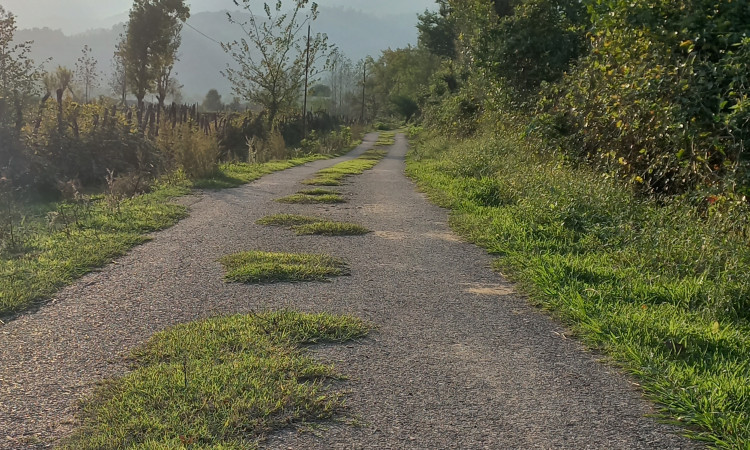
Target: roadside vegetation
<point>270,267</point>
<point>225,382</point>
<point>598,149</point>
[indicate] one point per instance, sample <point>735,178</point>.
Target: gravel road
<point>458,360</point>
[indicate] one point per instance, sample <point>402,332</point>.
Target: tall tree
<point>212,102</point>
<point>151,44</point>
<point>18,74</point>
<point>272,54</point>
<point>86,72</point>
<point>18,80</point>
<point>118,81</point>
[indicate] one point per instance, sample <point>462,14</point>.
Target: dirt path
<point>458,360</point>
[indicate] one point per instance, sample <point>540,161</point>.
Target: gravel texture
<point>458,360</point>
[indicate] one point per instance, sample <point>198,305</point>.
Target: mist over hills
<point>357,35</point>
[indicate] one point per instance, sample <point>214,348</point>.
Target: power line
<point>202,33</point>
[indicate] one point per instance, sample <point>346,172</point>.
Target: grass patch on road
<point>661,286</point>
<point>307,225</point>
<point>236,174</point>
<point>288,220</point>
<point>54,244</point>
<point>329,228</point>
<point>222,383</point>
<point>333,176</point>
<point>386,139</point>
<point>268,267</point>
<point>304,199</point>
<point>318,191</point>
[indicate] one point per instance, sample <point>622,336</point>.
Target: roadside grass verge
<point>307,225</point>
<point>305,199</point>
<point>333,176</point>
<point>269,267</point>
<point>662,287</point>
<point>56,243</point>
<point>222,383</point>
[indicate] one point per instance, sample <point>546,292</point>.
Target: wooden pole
<point>364,84</point>
<point>307,79</point>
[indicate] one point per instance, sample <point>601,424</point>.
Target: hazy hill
<point>356,33</point>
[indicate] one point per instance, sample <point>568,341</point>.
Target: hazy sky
<point>74,16</point>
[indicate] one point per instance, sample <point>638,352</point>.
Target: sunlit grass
<point>305,199</point>
<point>333,176</point>
<point>662,287</point>
<point>222,383</point>
<point>269,267</point>
<point>307,225</point>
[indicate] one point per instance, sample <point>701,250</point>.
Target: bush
<point>194,152</point>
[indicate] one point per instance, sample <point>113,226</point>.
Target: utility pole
<point>364,86</point>
<point>307,79</point>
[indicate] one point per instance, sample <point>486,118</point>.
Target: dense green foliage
<point>653,91</point>
<point>223,383</point>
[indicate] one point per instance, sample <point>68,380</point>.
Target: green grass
<point>236,174</point>
<point>318,191</point>
<point>222,383</point>
<point>307,225</point>
<point>60,242</point>
<point>329,228</point>
<point>305,199</point>
<point>631,276</point>
<point>386,139</point>
<point>288,220</point>
<point>333,176</point>
<point>267,267</point>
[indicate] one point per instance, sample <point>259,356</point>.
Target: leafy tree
<point>272,55</point>
<point>18,74</point>
<point>212,102</point>
<point>18,79</point>
<point>151,44</point>
<point>321,90</point>
<point>118,81</point>
<point>437,32</point>
<point>535,44</point>
<point>86,72</point>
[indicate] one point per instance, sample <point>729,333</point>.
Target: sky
<point>76,16</point>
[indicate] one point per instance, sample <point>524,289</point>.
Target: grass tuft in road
<point>289,220</point>
<point>267,267</point>
<point>333,176</point>
<point>222,383</point>
<point>307,225</point>
<point>305,199</point>
<point>329,228</point>
<point>318,191</point>
<point>386,139</point>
